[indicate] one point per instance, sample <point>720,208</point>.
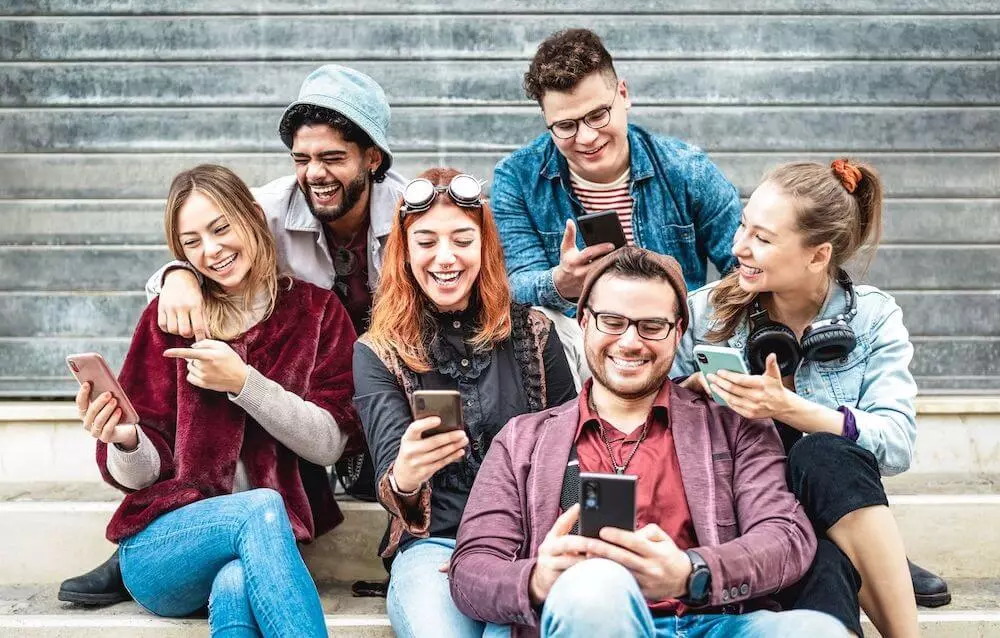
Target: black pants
<point>831,477</point>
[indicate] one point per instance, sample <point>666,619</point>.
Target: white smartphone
<point>711,359</point>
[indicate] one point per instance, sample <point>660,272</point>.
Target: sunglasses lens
<point>418,193</point>
<point>465,189</point>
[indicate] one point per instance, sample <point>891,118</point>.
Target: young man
<point>329,221</point>
<point>670,198</point>
<point>717,528</point>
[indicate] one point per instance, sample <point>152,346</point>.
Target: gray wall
<point>101,102</point>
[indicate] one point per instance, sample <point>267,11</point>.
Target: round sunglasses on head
<point>418,195</point>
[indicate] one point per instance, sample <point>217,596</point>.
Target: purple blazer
<point>751,531</point>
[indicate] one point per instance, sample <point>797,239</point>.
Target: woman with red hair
<point>443,319</point>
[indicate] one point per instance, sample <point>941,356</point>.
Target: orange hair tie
<point>848,174</point>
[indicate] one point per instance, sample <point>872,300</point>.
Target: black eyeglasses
<point>652,329</point>
<point>598,118</point>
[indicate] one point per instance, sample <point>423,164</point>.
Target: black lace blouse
<point>495,386</point>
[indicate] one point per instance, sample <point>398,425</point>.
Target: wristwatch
<point>399,492</point>
<point>699,582</point>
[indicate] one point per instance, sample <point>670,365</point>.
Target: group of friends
<point>300,318</point>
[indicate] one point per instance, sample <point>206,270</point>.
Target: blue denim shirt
<point>873,381</point>
<point>683,207</point>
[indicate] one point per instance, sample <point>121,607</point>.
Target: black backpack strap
<point>570,494</point>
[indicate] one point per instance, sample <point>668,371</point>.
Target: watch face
<point>699,585</point>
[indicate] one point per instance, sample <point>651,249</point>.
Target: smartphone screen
<point>606,500</point>
<point>446,404</point>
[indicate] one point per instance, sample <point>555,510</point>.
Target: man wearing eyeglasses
<point>670,198</point>
<point>716,528</point>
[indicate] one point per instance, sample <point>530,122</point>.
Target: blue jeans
<point>601,598</point>
<point>236,553</point>
<point>419,598</point>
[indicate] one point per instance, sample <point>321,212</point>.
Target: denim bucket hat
<point>352,94</point>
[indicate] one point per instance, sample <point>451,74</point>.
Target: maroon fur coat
<point>306,346</point>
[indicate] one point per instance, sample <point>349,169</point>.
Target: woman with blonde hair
<point>443,319</point>
<point>224,472</point>
<point>830,360</point>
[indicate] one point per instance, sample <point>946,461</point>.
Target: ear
<point>373,158</point>
<point>820,260</point>
<point>623,92</point>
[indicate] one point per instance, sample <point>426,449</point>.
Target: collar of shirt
<point>659,412</point>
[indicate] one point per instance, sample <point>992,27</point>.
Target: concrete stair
<point>53,511</point>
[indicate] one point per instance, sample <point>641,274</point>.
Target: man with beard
<point>329,221</point>
<point>718,531</point>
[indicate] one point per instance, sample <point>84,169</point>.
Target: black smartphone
<point>446,404</point>
<point>601,228</point>
<point>606,500</point>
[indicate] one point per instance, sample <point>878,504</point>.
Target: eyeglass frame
<point>407,208</point>
<point>631,322</point>
<point>578,120</point>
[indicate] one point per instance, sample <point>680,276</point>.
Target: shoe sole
<point>934,600</point>
<point>81,598</point>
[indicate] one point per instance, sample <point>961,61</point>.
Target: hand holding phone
<point>103,406</point>
<point>604,227</point>
<point>445,404</point>
<point>711,359</point>
<point>435,439</point>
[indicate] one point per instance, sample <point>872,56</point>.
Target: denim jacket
<point>683,207</point>
<point>873,381</point>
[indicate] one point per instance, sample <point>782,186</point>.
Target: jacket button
<point>456,324</point>
<point>733,593</point>
<point>725,594</point>
<point>465,362</point>
<point>744,589</point>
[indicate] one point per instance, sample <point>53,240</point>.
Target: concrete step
<point>499,128</point>
<point>32,611</point>
<point>499,82</point>
<point>950,534</point>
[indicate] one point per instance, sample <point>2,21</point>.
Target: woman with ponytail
<point>830,360</point>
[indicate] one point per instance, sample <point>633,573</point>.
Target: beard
<point>658,374</point>
<point>352,193</point>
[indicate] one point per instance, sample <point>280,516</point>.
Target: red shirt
<point>659,496</point>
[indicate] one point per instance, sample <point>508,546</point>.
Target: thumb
<point>772,369</point>
<point>568,238</point>
<point>564,524</point>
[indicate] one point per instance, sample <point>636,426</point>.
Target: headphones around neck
<point>823,340</point>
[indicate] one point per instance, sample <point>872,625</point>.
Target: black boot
<point>101,586</point>
<point>930,589</point>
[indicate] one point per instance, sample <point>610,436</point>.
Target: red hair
<point>400,313</point>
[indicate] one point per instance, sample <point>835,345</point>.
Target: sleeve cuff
<point>253,394</point>
<point>137,468</point>
<point>549,294</point>
<point>186,266</point>
<point>850,431</point>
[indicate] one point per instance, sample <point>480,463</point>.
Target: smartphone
<point>606,500</point>
<point>90,367</point>
<point>601,228</point>
<point>711,359</point>
<point>446,404</point>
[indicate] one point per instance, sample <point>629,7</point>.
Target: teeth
<point>628,363</point>
<point>225,263</point>
<point>750,270</point>
<point>446,277</point>
<point>326,189</point>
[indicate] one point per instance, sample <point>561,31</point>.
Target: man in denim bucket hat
<point>329,221</point>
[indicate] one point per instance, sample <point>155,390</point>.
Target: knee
<point>266,505</point>
<point>821,460</point>
<point>593,591</point>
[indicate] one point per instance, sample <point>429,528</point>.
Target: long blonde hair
<point>225,314</point>
<point>840,203</point>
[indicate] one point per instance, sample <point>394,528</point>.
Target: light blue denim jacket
<point>873,381</point>
<point>683,207</point>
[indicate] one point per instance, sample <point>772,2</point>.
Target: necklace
<point>619,469</point>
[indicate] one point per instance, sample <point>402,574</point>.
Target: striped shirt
<point>600,197</point>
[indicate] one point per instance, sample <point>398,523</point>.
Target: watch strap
<point>398,492</point>
<point>700,580</point>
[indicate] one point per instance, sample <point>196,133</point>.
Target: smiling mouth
<point>595,151</point>
<point>628,364</point>
<point>225,263</point>
<point>324,191</point>
<point>749,271</point>
<point>445,278</point>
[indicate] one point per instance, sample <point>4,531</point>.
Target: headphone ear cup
<point>779,339</point>
<point>828,343</point>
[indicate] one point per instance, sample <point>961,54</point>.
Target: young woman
<point>443,319</point>
<point>831,360</point>
<point>224,471</point>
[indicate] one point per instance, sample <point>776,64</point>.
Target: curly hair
<point>310,115</point>
<point>564,59</point>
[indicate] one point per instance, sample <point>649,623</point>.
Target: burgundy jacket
<point>751,531</point>
<point>306,346</point>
